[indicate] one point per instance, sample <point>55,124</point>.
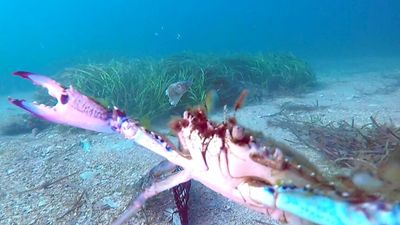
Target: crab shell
<point>270,162</point>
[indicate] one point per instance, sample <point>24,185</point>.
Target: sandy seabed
<point>50,178</point>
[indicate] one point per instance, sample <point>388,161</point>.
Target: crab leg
<point>77,110</point>
<point>322,209</point>
<point>151,191</point>
<point>72,107</point>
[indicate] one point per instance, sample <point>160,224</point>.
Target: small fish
<point>211,100</point>
<point>176,90</point>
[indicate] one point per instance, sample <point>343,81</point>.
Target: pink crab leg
<point>151,191</point>
<point>77,110</point>
<point>72,107</point>
<point>152,141</point>
<point>55,89</point>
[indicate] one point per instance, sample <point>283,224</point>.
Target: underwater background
<point>47,36</point>
<point>322,77</point>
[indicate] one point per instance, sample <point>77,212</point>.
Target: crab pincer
<point>72,108</point>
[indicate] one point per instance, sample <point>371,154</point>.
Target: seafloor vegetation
<point>138,85</point>
<point>372,148</point>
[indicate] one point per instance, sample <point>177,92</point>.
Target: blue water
<point>46,36</point>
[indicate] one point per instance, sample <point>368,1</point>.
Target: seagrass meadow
<point>138,85</point>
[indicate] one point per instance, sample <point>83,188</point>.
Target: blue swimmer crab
<point>225,157</point>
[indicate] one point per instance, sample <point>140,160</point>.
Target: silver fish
<point>176,90</point>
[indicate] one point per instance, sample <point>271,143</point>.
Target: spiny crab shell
<point>249,155</point>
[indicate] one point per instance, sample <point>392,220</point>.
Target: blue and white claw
<point>323,209</point>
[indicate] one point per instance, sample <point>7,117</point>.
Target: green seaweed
<point>138,85</point>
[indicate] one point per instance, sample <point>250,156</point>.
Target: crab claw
<point>72,108</point>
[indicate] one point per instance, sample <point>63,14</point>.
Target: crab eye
<point>64,99</point>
